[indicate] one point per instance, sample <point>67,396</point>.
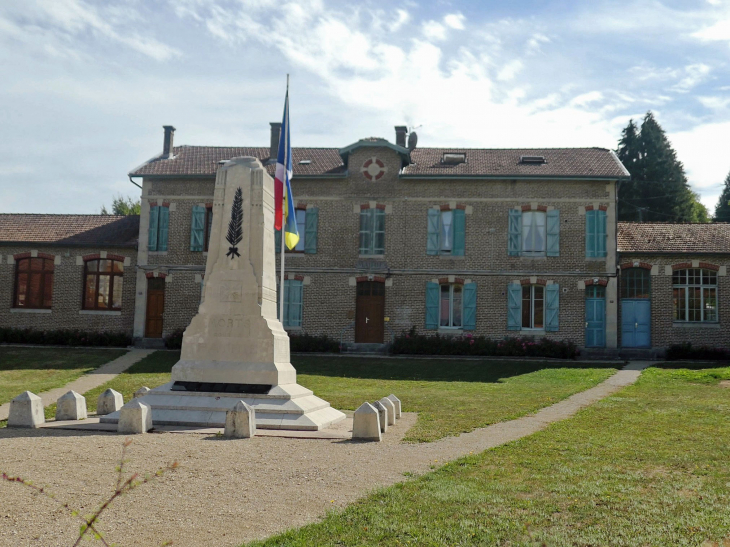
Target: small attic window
<point>454,158</point>
<point>305,162</point>
<point>533,160</point>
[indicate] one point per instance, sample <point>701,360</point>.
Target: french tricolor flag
<point>284,214</point>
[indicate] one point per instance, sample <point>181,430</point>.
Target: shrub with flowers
<point>64,337</point>
<point>412,343</point>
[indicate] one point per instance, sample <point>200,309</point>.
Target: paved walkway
<point>89,381</point>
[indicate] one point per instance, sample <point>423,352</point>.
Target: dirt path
<point>227,491</point>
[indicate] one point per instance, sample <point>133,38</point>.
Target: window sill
<point>293,329</point>
<point>100,312</point>
<point>453,257</point>
<point>377,257</point>
<point>695,325</point>
<point>290,254</point>
<point>536,257</point>
<point>157,253</point>
<point>30,310</point>
<point>595,259</point>
<point>533,332</point>
<point>451,330</point>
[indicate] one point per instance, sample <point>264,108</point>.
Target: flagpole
<point>283,203</point>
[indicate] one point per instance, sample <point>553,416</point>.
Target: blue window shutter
<point>295,303</point>
<point>152,239</point>
<point>164,227</point>
<point>277,241</point>
<point>553,233</point>
<point>459,232</point>
<point>552,307</point>
<point>600,233</point>
<point>514,306</point>
<point>470,306</point>
<point>434,221</point>
<point>311,222</point>
<point>432,306</point>
<point>197,228</point>
<point>590,234</point>
<point>515,232</point>
<point>287,290</point>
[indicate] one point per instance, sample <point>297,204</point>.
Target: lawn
<point>451,396</point>
<point>41,369</point>
<point>647,466</point>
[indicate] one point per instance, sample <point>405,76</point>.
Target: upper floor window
<point>33,283</point>
<point>103,280</point>
<point>446,232</point>
<point>159,227</point>
<point>307,226</point>
<point>595,233</point>
<point>372,231</point>
<point>695,295</point>
<point>200,228</point>
<point>534,233</point>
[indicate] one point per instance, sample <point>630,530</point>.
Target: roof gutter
<point>137,185</point>
<point>512,177</point>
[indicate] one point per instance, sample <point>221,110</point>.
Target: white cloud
<point>455,21</point>
<point>510,70</point>
<point>402,17</point>
<point>719,31</point>
<point>694,75</point>
<point>434,30</point>
<point>586,98</point>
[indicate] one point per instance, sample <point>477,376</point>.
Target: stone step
<point>149,343</point>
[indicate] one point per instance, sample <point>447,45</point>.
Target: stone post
<point>108,402</point>
<point>135,417</point>
<point>141,392</point>
<point>390,407</point>
<point>396,402</point>
<point>240,421</point>
<point>71,406</point>
<point>383,412</point>
<point>366,424</point>
<point>26,410</point>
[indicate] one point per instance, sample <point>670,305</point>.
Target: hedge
<point>64,337</point>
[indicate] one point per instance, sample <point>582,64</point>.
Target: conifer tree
<point>722,209</point>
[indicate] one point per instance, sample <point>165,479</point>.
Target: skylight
<point>454,158</point>
<point>533,160</point>
<point>305,162</point>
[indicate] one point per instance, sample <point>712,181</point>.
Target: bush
<point>411,343</point>
<point>686,351</point>
<point>307,343</point>
<point>64,337</point>
<point>174,339</point>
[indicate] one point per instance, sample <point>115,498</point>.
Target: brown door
<point>370,307</point>
<point>155,307</point>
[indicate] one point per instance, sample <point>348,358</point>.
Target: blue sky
<point>88,85</point>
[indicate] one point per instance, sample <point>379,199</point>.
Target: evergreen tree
<point>722,209</point>
<point>658,190</point>
<point>122,206</point>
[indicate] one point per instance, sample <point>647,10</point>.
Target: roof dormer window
<point>532,160</point>
<point>305,162</point>
<point>453,158</point>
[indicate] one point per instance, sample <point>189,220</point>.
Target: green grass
<point>648,466</point>
<point>41,369</point>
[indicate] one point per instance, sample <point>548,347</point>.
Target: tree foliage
<point>122,206</point>
<point>658,190</point>
<point>722,209</point>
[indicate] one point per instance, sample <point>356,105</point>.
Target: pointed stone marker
<point>141,392</point>
<point>108,402</point>
<point>26,410</point>
<point>390,407</point>
<point>240,421</point>
<point>396,402</point>
<point>71,406</point>
<point>366,424</point>
<point>135,417</point>
<point>383,412</point>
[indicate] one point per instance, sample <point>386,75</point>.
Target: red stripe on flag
<point>278,199</point>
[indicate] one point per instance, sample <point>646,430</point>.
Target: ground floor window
<point>293,292</point>
<point>34,283</point>
<point>103,281</point>
<point>451,306</point>
<point>533,307</point>
<point>694,293</point>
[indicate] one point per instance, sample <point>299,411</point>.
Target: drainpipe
<point>137,185</point>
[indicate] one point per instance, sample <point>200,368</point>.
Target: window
<point>533,306</point>
<point>372,231</point>
<point>103,284</point>
<point>293,290</point>
<point>446,232</point>
<point>307,225</point>
<point>695,295</point>
<point>159,227</point>
<point>450,308</point>
<point>34,283</point>
<point>635,283</point>
<point>595,234</point>
<point>533,233</point>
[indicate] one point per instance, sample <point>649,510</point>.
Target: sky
<point>88,85</point>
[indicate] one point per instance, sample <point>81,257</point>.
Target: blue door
<point>595,336</point>
<point>636,323</point>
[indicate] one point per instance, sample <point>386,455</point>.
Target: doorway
<point>636,308</point>
<point>595,336</point>
<point>155,307</point>
<point>369,312</point>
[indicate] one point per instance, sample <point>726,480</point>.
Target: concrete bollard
<point>366,423</point>
<point>390,407</point>
<point>108,402</point>
<point>240,421</point>
<point>135,417</point>
<point>141,392</point>
<point>383,412</point>
<point>396,402</point>
<point>71,406</point>
<point>26,410</point>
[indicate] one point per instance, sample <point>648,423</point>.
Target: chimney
<point>167,144</point>
<point>275,132</point>
<point>400,135</point>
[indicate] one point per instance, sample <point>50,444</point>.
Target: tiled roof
<point>560,162</point>
<point>86,230</point>
<point>658,237</point>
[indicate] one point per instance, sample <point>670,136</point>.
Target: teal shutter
<point>287,288</point>
<point>154,217</point>
<point>552,307</point>
<point>311,221</point>
<point>277,241</point>
<point>197,228</point>
<point>515,232</point>
<point>432,306</point>
<point>553,233</point>
<point>293,303</point>
<point>514,306</point>
<point>164,227</point>
<point>590,234</point>
<point>600,233</point>
<point>470,306</point>
<point>459,232</point>
<point>434,221</point>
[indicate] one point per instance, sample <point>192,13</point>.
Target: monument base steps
<point>287,406</point>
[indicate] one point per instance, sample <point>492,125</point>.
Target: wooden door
<point>369,314</point>
<point>155,307</point>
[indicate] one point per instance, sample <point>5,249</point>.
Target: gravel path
<point>226,491</point>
